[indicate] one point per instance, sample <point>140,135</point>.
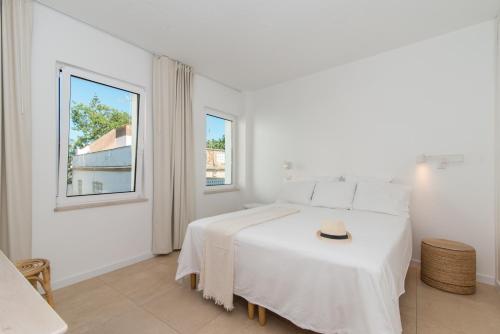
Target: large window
<point>219,166</point>
<point>100,138</point>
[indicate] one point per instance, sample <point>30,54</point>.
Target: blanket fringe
<point>218,302</point>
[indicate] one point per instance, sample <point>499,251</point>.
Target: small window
<point>97,187</point>
<point>100,138</point>
<point>219,150</point>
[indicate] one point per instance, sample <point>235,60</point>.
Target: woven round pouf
<point>449,266</point>
<point>37,271</point>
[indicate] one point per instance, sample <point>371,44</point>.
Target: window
<point>100,138</point>
<point>97,187</point>
<point>219,166</point>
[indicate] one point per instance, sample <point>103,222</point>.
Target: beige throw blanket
<point>217,266</point>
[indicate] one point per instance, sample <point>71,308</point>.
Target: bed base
<point>251,307</point>
<point>261,312</point>
<point>193,281</point>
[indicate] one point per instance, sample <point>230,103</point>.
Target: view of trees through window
<point>218,151</point>
<point>102,139</point>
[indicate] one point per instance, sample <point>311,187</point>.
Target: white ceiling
<point>251,44</point>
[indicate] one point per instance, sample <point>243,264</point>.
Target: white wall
<point>86,242</point>
<point>82,242</point>
<point>374,116</point>
<point>208,93</point>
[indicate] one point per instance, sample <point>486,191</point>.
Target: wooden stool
<point>37,271</point>
<point>449,266</point>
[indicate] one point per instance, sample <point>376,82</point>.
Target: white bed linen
<point>325,287</point>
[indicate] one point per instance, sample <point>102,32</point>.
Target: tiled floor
<point>145,299</point>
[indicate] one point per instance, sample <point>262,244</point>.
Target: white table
<point>22,308</point>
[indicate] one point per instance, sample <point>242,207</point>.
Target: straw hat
<point>333,231</point>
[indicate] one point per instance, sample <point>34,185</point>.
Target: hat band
<point>337,237</point>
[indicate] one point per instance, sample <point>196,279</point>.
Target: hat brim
<point>335,241</point>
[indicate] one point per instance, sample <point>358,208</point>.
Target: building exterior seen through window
<point>219,151</point>
<point>101,143</point>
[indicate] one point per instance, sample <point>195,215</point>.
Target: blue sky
<point>215,127</point>
<point>82,91</point>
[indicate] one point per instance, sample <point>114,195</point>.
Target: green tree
<point>94,120</point>
<point>217,144</point>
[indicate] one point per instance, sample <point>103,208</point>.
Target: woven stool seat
<point>449,266</point>
<point>32,267</point>
<point>37,271</point>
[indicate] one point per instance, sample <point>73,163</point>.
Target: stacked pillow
<point>367,195</point>
<point>390,198</point>
<point>298,192</point>
<point>334,194</point>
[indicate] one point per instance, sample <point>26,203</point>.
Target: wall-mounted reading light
<point>443,160</point>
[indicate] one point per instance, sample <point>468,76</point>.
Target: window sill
<point>72,207</point>
<point>218,190</point>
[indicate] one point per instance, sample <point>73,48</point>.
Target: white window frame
<point>64,73</point>
<point>230,117</point>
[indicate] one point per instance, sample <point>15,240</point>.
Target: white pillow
<point>298,192</point>
<point>335,194</point>
<point>382,197</point>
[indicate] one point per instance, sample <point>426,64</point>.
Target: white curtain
<point>497,155</point>
<point>173,177</point>
<point>15,128</point>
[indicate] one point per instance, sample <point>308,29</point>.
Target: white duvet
<point>322,286</point>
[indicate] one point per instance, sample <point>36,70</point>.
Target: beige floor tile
<point>168,260</point>
<point>229,322</point>
<point>71,292</point>
<point>183,309</point>
<point>143,281</point>
<point>237,322</point>
<point>144,298</point>
<point>278,325</point>
<point>153,288</point>
<point>409,324</point>
<point>88,304</point>
<point>451,313</point>
<point>134,322</point>
<point>165,261</point>
<point>137,268</point>
<point>429,327</point>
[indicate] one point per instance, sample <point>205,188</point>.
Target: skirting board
<point>486,279</point>
<point>99,271</point>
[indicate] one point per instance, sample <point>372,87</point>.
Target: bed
<point>328,288</point>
